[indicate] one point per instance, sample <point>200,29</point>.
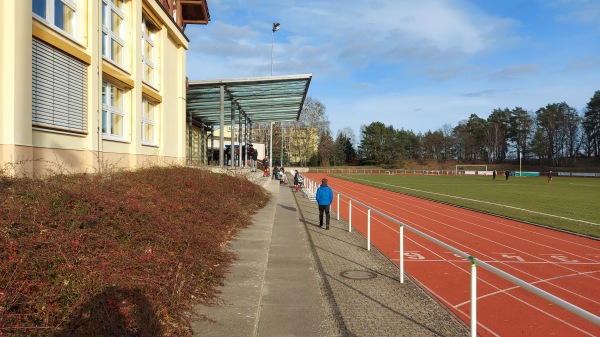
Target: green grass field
<point>571,204</point>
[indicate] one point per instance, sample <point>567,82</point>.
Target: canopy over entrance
<point>245,101</point>
<point>256,99</point>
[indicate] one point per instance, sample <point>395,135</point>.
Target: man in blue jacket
<point>324,199</point>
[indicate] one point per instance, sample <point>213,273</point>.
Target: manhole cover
<point>358,274</point>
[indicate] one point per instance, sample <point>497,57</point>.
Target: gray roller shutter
<point>59,88</point>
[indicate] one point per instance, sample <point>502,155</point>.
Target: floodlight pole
<point>520,156</point>
<point>275,28</point>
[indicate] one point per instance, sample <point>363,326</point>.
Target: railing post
<point>338,207</point>
<point>350,215</point>
<point>369,229</point>
<point>473,297</point>
<point>401,259</point>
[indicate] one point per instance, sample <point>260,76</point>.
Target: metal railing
<point>310,187</point>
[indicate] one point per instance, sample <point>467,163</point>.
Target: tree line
<point>555,135</point>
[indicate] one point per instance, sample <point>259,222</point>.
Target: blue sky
<point>413,64</point>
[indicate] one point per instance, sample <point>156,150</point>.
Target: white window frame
<point>108,35</point>
<point>152,121</point>
<point>149,60</point>
<point>109,109</point>
<point>51,16</point>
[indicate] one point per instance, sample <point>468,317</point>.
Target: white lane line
<point>481,201</point>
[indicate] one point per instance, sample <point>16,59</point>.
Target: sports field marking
<point>551,260</point>
<point>460,215</point>
<point>500,290</point>
<point>461,219</point>
<point>406,259</point>
<point>547,281</point>
<point>483,202</point>
<point>475,251</point>
<point>515,259</point>
<point>506,292</point>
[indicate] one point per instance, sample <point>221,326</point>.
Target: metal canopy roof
<point>260,99</point>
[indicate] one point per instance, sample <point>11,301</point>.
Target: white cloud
<point>416,64</point>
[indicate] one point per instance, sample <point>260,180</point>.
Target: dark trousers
<point>324,208</point>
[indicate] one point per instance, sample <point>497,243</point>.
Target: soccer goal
<point>472,170</point>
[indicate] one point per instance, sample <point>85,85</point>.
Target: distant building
<point>88,84</point>
<point>299,143</point>
<point>303,144</point>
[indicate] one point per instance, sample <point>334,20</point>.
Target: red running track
<point>565,265</point>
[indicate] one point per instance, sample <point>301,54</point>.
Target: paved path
<point>293,278</point>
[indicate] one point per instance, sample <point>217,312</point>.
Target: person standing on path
<point>296,180</point>
<point>253,159</point>
<point>324,198</point>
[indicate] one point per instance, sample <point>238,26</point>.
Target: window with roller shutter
<point>59,90</point>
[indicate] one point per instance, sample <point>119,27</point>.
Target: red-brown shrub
<point>125,254</point>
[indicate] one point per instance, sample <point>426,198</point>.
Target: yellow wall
<point>43,150</point>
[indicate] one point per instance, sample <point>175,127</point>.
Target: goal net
<point>472,170</point>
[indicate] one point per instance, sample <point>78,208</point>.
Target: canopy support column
<point>271,149</point>
<point>203,151</point>
<point>189,159</point>
<point>249,131</point>
<point>222,125</point>
<point>239,137</point>
<point>212,145</point>
<point>232,134</point>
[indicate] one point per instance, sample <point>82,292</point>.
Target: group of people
<point>249,155</point>
<point>506,174</point>
<point>252,155</point>
<point>279,174</point>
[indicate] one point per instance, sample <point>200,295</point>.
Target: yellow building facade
<point>92,84</point>
<point>302,144</point>
<point>299,143</point>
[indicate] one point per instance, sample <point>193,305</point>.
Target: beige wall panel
<point>16,160</point>
<point>15,110</point>
<point>58,140</point>
<point>172,113</point>
<point>3,46</point>
<point>51,161</point>
<point>112,160</point>
<point>147,161</point>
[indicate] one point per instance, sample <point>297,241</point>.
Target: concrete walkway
<point>293,278</point>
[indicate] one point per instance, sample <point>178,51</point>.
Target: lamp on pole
<point>275,28</point>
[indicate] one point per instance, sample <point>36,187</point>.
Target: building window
<point>148,51</point>
<point>57,13</point>
<point>113,114</point>
<point>148,123</point>
<point>113,41</point>
<point>59,89</point>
